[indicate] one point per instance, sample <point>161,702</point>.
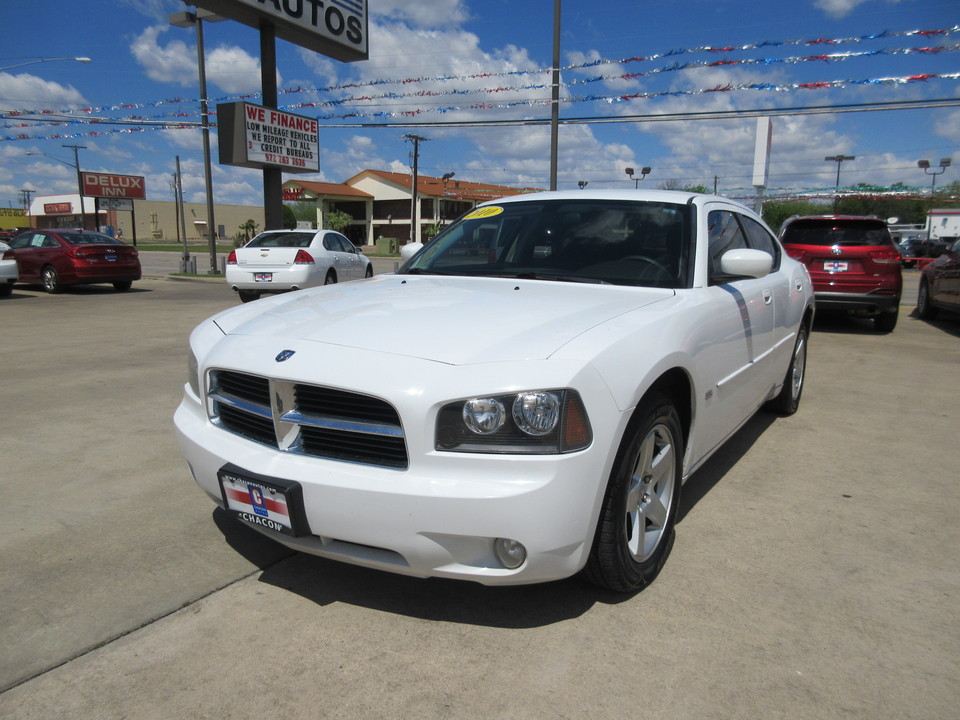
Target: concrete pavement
<point>814,575</point>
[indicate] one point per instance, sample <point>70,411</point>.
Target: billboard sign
<point>254,136</point>
<point>116,186</point>
<point>336,28</point>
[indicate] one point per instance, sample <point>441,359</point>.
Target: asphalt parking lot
<point>815,572</point>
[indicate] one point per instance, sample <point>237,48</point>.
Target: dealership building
<point>380,205</point>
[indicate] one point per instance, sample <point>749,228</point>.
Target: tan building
<point>150,220</point>
<point>380,203</point>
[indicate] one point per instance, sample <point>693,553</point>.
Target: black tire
<point>123,285</point>
<point>635,531</point>
<point>887,320</point>
<point>51,280</point>
<point>369,272</point>
<point>925,310</point>
<point>248,295</point>
<point>787,402</point>
<point>331,277</point>
<point>6,289</point>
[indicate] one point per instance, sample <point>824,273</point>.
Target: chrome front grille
<point>307,419</point>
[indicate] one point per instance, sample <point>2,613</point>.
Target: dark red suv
<point>853,262</point>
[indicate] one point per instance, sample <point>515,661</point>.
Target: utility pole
<point>555,98</point>
<point>76,164</point>
<point>416,140</point>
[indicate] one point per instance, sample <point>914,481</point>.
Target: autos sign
<point>256,137</point>
<point>117,186</point>
<point>336,28</point>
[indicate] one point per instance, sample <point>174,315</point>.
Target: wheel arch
<point>676,385</point>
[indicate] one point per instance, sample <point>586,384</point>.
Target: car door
<point>746,322</point>
<point>346,261</point>
<point>33,251</point>
<point>945,289</point>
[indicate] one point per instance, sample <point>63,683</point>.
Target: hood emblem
<point>284,355</point>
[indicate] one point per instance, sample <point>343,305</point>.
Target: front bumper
<point>438,518</point>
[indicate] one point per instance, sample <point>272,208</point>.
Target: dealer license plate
<point>263,277</point>
<point>267,502</point>
<point>833,266</point>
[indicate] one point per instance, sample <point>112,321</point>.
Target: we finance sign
<point>102,185</point>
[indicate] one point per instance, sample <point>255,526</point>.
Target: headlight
<point>193,373</point>
<point>539,422</point>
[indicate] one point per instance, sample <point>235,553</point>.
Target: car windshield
<point>282,239</point>
<point>89,238</point>
<point>591,240</point>
<point>833,231</point>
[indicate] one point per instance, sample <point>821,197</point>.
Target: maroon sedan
<point>56,258</point>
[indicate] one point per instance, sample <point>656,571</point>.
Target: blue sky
<point>138,60</point>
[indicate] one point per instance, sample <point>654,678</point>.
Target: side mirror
<point>746,263</point>
<point>409,250</point>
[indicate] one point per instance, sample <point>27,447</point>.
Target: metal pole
<point>182,223</point>
<point>272,177</point>
<point>207,172</point>
<point>555,104</point>
<point>76,164</point>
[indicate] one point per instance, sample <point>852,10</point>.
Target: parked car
<point>8,271</point>
<point>910,249</point>
<point>520,402</point>
<point>283,260</point>
<point>57,258</point>
<point>940,284</point>
<point>853,262</point>
<point>937,246</point>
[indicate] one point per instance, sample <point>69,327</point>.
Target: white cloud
<point>422,13</point>
<point>838,8</point>
<point>23,91</point>
<point>231,69</point>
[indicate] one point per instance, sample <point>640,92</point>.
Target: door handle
<point>767,297</point>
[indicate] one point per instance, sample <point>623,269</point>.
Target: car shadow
<point>105,289</point>
<point>841,323</point>
<point>722,461</point>
<point>326,582</point>
<point>946,321</point>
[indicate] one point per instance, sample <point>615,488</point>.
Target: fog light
<point>510,553</point>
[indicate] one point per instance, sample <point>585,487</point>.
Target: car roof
<point>669,196</point>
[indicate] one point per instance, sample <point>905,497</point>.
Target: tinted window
<point>837,231</point>
<point>591,240</point>
<point>725,234</point>
<point>758,237</point>
<point>284,239</point>
<point>89,238</point>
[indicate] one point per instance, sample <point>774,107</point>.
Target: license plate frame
<point>263,277</point>
<point>269,503</point>
<point>835,266</point>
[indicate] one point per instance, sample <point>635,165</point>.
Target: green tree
<point>289,219</point>
<point>304,211</point>
<point>338,220</point>
<point>249,229</point>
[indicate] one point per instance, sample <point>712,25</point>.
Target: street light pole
<point>43,60</point>
<point>186,19</point>
<point>838,159</point>
<point>925,166</point>
<point>643,173</point>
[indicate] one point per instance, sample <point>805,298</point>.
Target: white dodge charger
<point>520,402</point>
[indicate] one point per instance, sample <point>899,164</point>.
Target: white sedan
<point>280,260</point>
<point>522,401</point>
<point>9,274</point>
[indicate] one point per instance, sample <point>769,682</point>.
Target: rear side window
<point>298,240</point>
<point>836,231</point>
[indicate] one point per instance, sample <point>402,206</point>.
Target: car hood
<point>455,321</point>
